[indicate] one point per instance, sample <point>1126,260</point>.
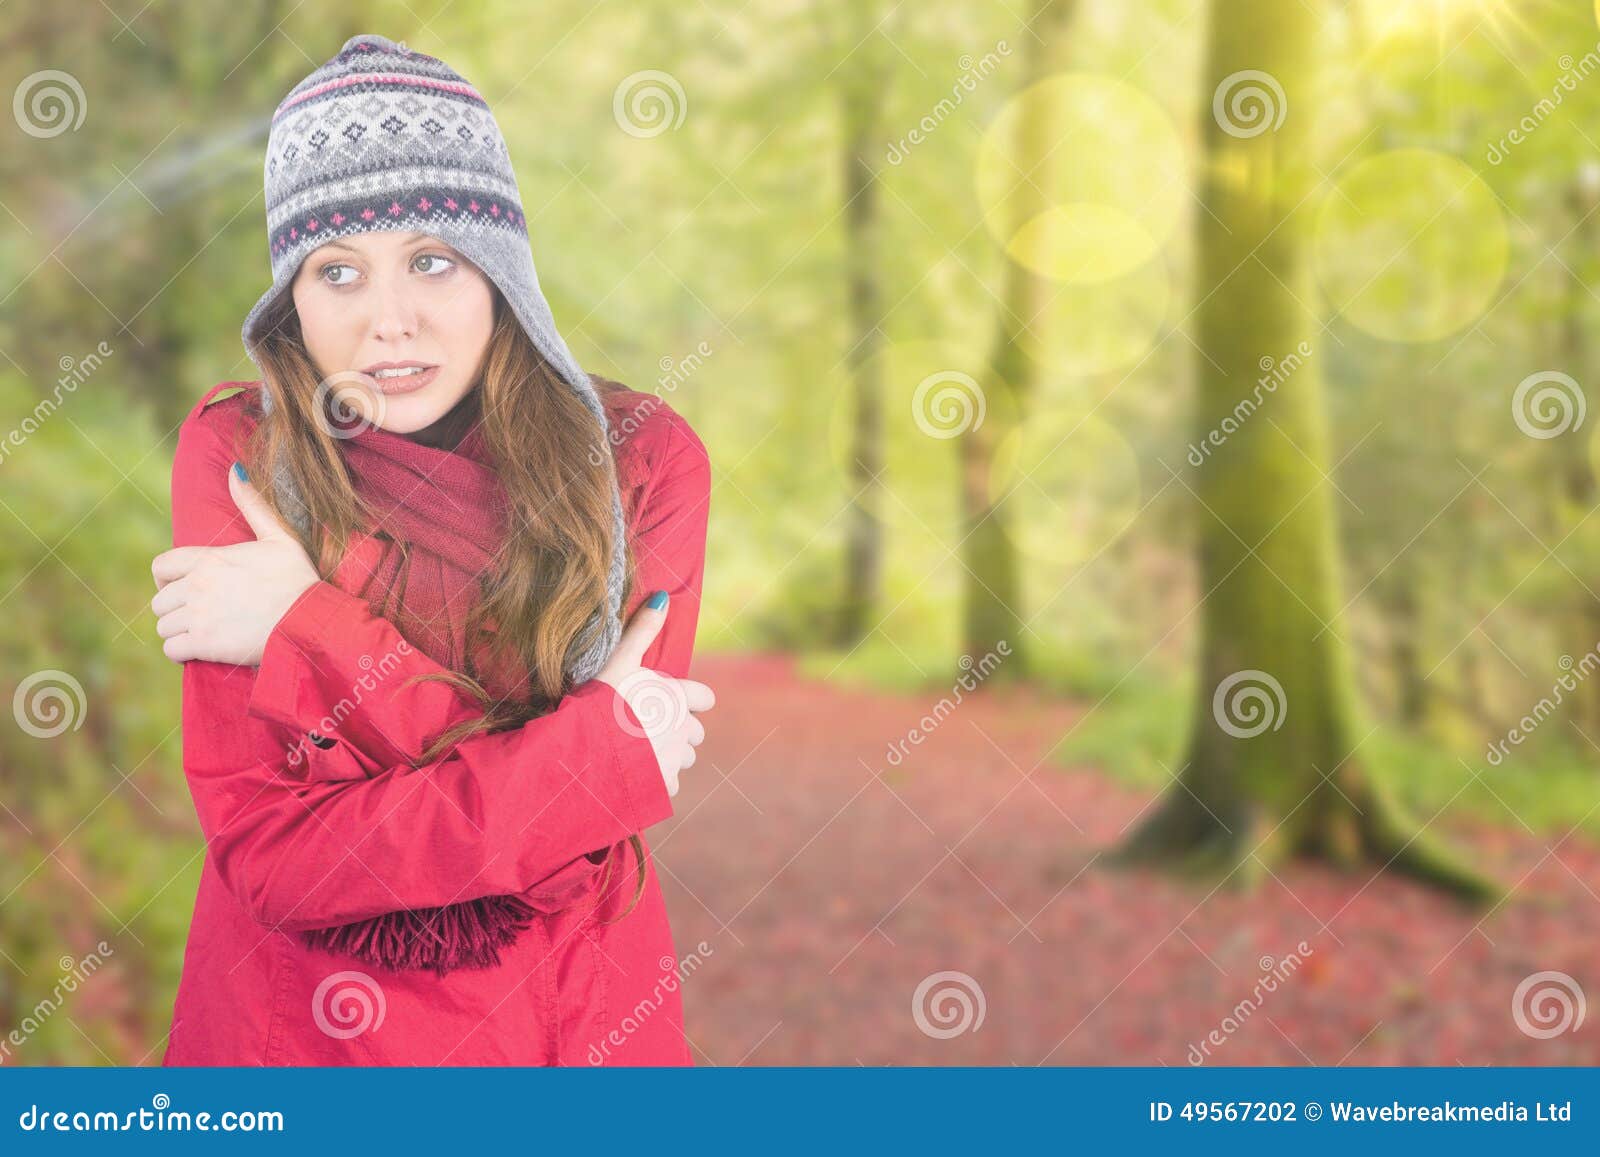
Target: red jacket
<point>515,811</point>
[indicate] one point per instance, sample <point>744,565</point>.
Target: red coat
<point>514,811</point>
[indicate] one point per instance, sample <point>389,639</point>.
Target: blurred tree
<point>863,85</point>
<point>1273,767</point>
<point>991,582</point>
<point>1575,474</point>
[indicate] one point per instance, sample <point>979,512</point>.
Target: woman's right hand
<point>664,704</point>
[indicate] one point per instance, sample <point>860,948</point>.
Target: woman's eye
<point>435,263</point>
<point>329,271</point>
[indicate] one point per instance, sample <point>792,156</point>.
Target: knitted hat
<point>381,137</point>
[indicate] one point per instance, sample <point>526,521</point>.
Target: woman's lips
<point>404,383</point>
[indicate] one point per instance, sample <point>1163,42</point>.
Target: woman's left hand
<point>221,602</point>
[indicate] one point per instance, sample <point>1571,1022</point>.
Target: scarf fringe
<point>465,935</point>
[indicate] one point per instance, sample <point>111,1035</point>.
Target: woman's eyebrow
<point>429,242</point>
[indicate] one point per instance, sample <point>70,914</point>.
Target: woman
<point>420,743</point>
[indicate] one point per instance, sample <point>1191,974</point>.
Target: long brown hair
<point>542,590</point>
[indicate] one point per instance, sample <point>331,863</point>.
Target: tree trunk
<point>1273,767</point>
<point>992,586</point>
<point>1405,649</point>
<point>1577,482</point>
<point>864,531</point>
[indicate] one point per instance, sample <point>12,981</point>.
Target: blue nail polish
<point>238,468</point>
<point>658,601</point>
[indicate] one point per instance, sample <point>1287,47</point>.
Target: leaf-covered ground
<point>828,884</point>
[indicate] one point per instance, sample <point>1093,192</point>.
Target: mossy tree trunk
<point>993,607</point>
<point>1274,767</point>
<point>861,100</point>
<point>863,83</point>
<point>1578,490</point>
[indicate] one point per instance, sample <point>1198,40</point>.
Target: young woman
<point>421,744</point>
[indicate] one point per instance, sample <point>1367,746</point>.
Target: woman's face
<point>373,303</point>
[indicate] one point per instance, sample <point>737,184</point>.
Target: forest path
<point>828,885</point>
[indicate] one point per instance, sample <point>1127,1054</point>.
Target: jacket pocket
<point>569,884</point>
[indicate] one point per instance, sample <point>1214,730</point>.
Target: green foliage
<point>98,842</point>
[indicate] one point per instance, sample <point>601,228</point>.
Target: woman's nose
<point>395,315</point>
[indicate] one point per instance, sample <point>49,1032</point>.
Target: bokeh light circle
<point>1411,245</point>
<point>1071,486</point>
<point>1081,178</point>
<point>1090,329</point>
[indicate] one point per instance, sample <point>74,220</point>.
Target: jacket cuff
<point>627,755</point>
<point>284,692</point>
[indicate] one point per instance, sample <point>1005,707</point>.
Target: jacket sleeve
<point>496,815</point>
<point>332,667</point>
<point>669,544</point>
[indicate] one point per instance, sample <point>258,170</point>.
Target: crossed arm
<point>308,836</point>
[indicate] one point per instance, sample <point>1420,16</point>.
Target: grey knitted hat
<point>381,137</point>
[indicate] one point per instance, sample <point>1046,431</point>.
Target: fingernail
<point>238,468</point>
<point>658,601</point>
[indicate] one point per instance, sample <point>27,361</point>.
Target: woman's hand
<point>665,705</point>
<point>221,602</point>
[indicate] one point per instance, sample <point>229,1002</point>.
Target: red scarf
<point>449,507</point>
